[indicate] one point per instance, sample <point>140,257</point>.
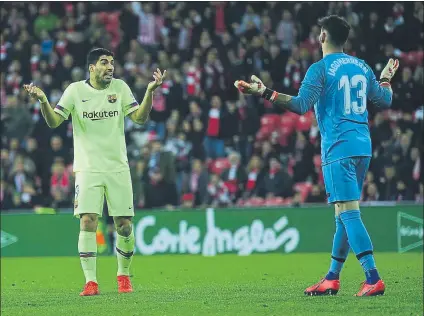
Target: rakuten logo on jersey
<point>96,116</point>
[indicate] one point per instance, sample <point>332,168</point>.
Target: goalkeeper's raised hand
<point>389,71</point>
<point>256,87</point>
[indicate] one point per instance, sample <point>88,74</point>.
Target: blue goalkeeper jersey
<point>338,87</point>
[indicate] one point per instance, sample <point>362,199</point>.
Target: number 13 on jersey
<point>358,103</point>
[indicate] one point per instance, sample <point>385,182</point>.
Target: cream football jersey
<point>98,124</point>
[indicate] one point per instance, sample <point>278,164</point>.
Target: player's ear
<point>322,37</point>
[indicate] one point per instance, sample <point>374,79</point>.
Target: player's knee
<point>123,226</point>
<point>346,206</point>
<point>88,222</point>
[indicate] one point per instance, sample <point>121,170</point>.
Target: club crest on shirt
<point>112,98</point>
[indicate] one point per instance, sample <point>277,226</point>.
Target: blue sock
<point>339,252</point>
<point>361,244</point>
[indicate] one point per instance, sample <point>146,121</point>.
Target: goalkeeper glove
<point>389,71</point>
<point>256,87</point>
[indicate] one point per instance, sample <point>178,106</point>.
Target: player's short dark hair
<point>337,27</point>
<point>94,55</point>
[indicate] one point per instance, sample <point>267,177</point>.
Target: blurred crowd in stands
<point>205,144</point>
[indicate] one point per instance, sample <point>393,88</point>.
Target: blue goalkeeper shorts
<point>344,178</point>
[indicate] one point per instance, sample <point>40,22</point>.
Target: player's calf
<point>124,250</point>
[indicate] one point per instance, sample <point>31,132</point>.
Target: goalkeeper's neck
<point>330,49</point>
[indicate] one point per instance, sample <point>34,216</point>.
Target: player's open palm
<point>159,78</point>
<point>35,92</point>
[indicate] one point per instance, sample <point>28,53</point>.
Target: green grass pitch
<point>266,284</point>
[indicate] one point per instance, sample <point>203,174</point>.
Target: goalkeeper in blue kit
<point>338,87</point>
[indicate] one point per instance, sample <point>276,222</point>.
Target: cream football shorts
<point>92,187</point>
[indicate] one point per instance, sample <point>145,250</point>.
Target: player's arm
<point>141,114</point>
<point>53,119</point>
<point>309,93</point>
<point>380,92</point>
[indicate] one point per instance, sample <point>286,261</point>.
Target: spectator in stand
<point>16,119</point>
<point>403,192</point>
<point>196,183</point>
<point>235,177</point>
<point>19,175</point>
<point>387,184</point>
<point>405,91</point>
<point>214,144</point>
<point>60,179</point>
<point>217,193</point>
<point>150,25</point>
<point>317,195</point>
<point>213,81</point>
<point>371,193</point>
<point>250,21</point>
<point>158,193</point>
<point>59,200</point>
<point>230,124</point>
<point>29,196</point>
<point>46,21</point>
<point>138,175</point>
<point>276,182</point>
<point>286,31</point>
<point>181,149</point>
<point>254,176</point>
<point>303,165</point>
<point>163,160</point>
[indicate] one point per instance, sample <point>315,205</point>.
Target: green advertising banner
<point>211,232</point>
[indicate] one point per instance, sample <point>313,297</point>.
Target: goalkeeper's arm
<point>380,92</point>
<point>309,93</point>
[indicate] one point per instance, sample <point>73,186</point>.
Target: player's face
<point>104,69</point>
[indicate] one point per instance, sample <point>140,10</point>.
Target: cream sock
<point>124,252</point>
<point>87,247</point>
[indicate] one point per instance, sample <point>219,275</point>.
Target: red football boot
<point>90,288</point>
<point>372,289</point>
<point>324,287</point>
<point>124,284</point>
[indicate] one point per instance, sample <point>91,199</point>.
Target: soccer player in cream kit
<point>338,87</point>
<point>98,107</point>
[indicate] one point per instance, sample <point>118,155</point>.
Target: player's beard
<point>103,79</point>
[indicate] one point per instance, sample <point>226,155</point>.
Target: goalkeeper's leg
<point>330,285</point>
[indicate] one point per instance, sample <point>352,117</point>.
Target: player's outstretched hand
<point>35,92</point>
<point>390,69</point>
<point>256,87</point>
<point>159,77</point>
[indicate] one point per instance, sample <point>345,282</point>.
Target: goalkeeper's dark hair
<point>94,55</point>
<point>337,28</point>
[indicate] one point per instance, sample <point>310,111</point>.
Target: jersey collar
<point>97,90</point>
